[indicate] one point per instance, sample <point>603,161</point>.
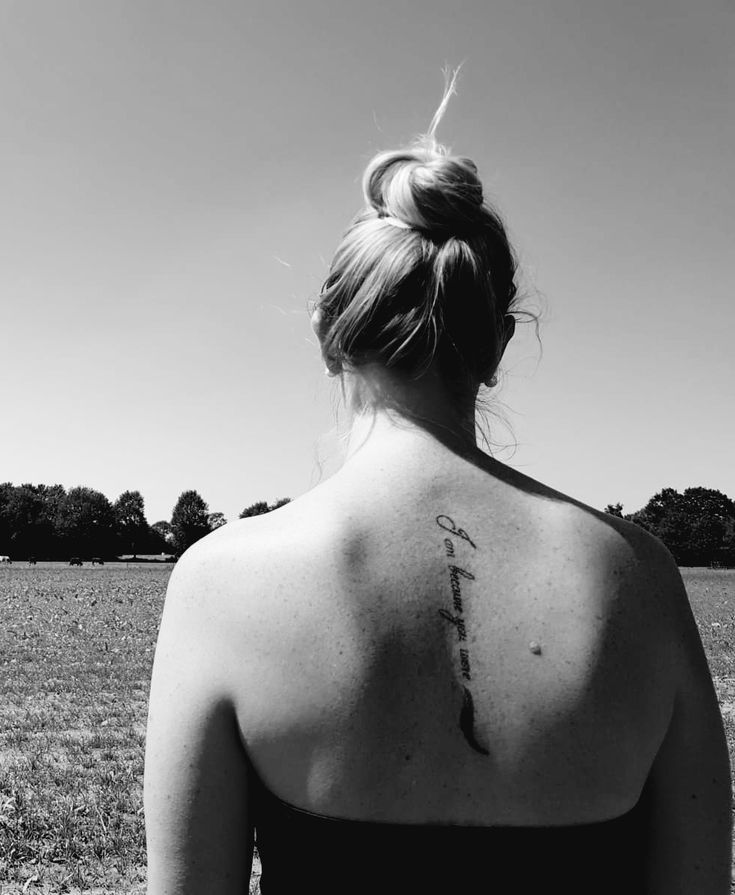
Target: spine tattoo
<point>457,576</point>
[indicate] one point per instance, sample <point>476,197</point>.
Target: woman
<point>431,673</point>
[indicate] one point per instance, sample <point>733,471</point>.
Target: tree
<point>216,520</point>
<point>6,490</point>
<point>48,543</point>
<point>728,545</point>
<point>189,520</point>
<point>23,513</point>
<point>162,537</point>
<point>695,525</point>
<point>260,507</point>
<point>85,523</point>
<point>255,509</point>
<point>28,515</point>
<point>132,527</point>
<point>710,514</point>
<point>614,509</point>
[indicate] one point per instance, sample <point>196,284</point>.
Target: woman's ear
<point>317,322</point>
<point>509,328</point>
<point>331,368</point>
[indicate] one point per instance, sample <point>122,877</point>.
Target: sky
<point>175,177</point>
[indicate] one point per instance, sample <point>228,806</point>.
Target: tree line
<point>49,522</point>
<point>697,525</point>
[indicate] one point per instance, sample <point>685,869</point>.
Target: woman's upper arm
<point>198,828</point>
<point>690,832</point>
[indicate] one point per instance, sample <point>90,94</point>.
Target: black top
<point>305,852</point>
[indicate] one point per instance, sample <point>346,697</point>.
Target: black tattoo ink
<point>455,573</point>
<point>464,662</point>
<point>456,576</point>
<point>456,621</point>
<point>447,523</point>
<point>467,722</point>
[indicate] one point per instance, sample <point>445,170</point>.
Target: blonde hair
<point>425,272</point>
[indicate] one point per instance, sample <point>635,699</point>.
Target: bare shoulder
<point>242,542</point>
<point>593,536</point>
<point>642,576</point>
<point>249,575</point>
<point>648,563</point>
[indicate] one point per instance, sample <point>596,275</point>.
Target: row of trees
<point>697,525</point>
<point>49,522</point>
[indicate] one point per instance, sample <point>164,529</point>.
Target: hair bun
<point>427,189</point>
<point>407,300</point>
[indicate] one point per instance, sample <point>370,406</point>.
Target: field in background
<point>76,648</point>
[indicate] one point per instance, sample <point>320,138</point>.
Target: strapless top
<point>305,852</point>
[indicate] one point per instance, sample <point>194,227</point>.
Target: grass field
<point>76,647</point>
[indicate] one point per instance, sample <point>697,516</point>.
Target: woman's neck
<point>386,408</point>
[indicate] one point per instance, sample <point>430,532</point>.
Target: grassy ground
<point>75,657</point>
<point>76,647</point>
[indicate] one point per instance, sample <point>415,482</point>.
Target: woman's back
<point>428,650</point>
<point>438,641</point>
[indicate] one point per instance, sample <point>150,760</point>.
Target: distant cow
<point>96,561</point>
<point>31,560</point>
<point>7,560</point>
<point>75,561</point>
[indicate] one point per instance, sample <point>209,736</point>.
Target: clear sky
<point>174,177</point>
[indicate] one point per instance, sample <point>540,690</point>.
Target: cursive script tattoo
<point>457,576</point>
<point>447,523</point>
<point>467,723</point>
<point>455,573</point>
<point>457,621</point>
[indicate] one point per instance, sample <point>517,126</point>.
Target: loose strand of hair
<point>450,89</point>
